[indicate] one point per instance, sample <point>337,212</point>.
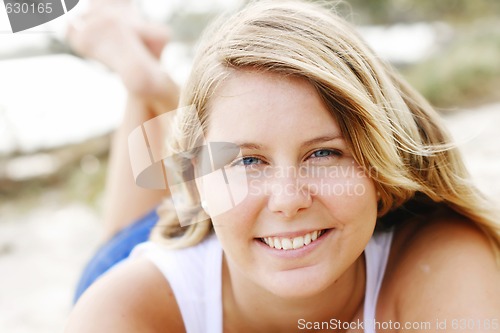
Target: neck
<point>248,307</point>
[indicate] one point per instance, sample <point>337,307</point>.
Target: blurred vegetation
<point>465,71</point>
<point>397,11</point>
<point>80,177</point>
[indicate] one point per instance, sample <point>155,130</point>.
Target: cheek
<point>238,221</point>
<point>223,190</point>
<point>235,228</point>
<point>350,198</point>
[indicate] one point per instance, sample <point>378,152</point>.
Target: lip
<point>294,253</point>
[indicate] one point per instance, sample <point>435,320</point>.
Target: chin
<point>300,283</point>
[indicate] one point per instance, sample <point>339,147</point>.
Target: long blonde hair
<point>394,134</point>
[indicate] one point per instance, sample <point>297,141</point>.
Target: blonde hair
<point>394,134</point>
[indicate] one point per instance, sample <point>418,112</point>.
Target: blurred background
<point>58,112</point>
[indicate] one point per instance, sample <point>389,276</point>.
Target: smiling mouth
<point>284,243</point>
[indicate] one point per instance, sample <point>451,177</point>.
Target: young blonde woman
<point>359,215</point>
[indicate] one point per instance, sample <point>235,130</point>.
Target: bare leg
<point>114,33</point>
<point>124,200</point>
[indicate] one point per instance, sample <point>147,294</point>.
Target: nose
<point>288,197</point>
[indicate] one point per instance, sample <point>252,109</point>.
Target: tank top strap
<point>376,254</point>
<point>194,275</point>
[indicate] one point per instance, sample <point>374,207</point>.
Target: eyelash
<point>241,161</point>
<point>331,152</point>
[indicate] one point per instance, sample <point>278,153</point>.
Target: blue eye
<point>247,161</point>
<point>325,153</point>
<point>251,160</point>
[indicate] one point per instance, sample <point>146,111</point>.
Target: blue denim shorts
<point>115,250</point>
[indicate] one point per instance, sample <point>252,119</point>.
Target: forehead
<point>252,104</point>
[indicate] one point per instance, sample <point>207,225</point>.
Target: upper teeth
<point>292,243</point>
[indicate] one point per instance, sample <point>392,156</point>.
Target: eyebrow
<point>321,139</point>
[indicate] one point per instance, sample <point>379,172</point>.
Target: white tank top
<point>194,275</point>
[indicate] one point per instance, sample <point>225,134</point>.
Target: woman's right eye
<point>247,161</point>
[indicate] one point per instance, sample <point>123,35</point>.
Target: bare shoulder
<point>443,269</point>
<point>133,297</point>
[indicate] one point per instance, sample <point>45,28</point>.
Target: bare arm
<point>133,297</point>
<point>449,279</point>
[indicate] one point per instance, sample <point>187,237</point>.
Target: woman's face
<point>310,209</point>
